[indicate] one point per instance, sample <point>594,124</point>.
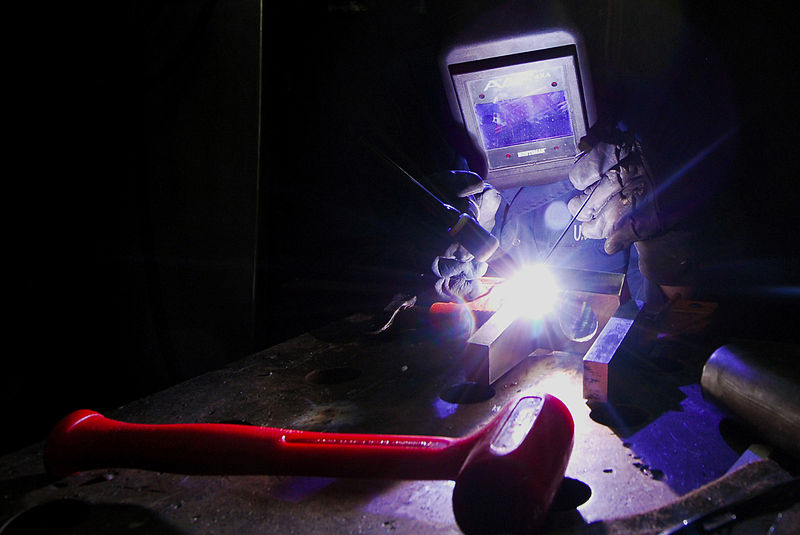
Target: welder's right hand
<point>459,275</point>
<point>457,270</point>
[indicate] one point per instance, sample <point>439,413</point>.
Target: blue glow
<point>781,291</point>
<point>693,430</point>
<point>556,215</point>
<point>692,162</point>
<point>443,408</point>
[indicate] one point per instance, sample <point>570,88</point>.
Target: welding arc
<point>507,473</point>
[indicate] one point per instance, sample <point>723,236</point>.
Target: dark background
<point>186,189</point>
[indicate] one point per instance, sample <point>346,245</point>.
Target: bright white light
<point>532,292</point>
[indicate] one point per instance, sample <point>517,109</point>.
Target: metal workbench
<point>660,441</point>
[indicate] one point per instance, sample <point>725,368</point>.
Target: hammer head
<point>508,482</point>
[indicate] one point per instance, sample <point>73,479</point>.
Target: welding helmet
<point>523,94</point>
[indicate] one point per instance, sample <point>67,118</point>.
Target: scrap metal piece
<point>599,361</point>
<point>386,318</point>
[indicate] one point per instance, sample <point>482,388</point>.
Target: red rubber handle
<point>522,450</point>
<point>85,440</point>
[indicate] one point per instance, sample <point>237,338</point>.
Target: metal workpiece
<point>593,282</point>
<point>498,345</point>
<point>587,302</point>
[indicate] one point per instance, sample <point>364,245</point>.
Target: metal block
<point>506,339</point>
<point>603,356</point>
<point>497,346</point>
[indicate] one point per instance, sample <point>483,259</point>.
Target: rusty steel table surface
<point>659,442</point>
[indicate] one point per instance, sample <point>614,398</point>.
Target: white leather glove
<point>457,270</point>
<point>618,198</point>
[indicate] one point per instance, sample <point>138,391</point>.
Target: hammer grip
<point>86,440</point>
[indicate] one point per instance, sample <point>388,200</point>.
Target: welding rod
<point>462,227</point>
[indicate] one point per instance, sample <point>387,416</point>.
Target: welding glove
<point>457,270</point>
<point>617,200</point>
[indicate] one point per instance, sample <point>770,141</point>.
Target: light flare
<point>532,292</point>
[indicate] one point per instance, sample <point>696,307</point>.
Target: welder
<point>644,174</point>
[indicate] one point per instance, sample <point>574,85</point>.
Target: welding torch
<point>461,226</point>
<point>465,229</point>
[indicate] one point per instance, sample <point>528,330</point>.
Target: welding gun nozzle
<point>474,238</point>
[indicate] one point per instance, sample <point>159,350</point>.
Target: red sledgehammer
<point>507,473</point>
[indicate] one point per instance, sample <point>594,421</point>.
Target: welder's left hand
<point>617,200</point>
